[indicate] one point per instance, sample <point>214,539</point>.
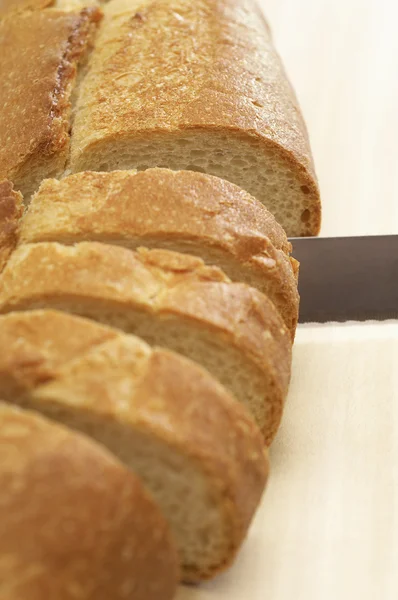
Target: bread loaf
<point>10,213</point>
<point>169,299</point>
<point>39,55</point>
<point>176,103</point>
<point>181,211</point>
<point>192,444</point>
<point>8,7</point>
<point>197,86</point>
<point>75,523</point>
<point>184,85</point>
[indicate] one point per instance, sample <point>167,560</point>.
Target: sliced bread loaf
<point>9,7</point>
<point>182,211</point>
<point>75,523</point>
<point>166,298</point>
<point>39,55</point>
<point>193,445</point>
<point>198,86</point>
<point>10,213</point>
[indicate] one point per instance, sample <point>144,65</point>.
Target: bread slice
<point>169,299</point>
<point>11,210</point>
<point>122,202</point>
<point>192,444</point>
<point>75,522</point>
<point>182,211</point>
<point>197,86</point>
<point>9,7</point>
<point>39,55</point>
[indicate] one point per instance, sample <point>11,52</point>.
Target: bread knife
<point>347,278</point>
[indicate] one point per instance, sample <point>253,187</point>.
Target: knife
<point>347,278</point>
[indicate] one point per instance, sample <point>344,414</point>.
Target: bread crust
<point>118,378</point>
<point>183,211</point>
<point>126,203</point>
<point>213,68</point>
<point>41,344</point>
<point>78,524</point>
<point>90,277</point>
<point>9,7</point>
<point>11,210</point>
<point>36,90</point>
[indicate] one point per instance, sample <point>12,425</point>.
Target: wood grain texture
<point>342,58</point>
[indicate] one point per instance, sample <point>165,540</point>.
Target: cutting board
<point>327,528</point>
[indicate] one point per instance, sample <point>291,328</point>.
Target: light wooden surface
<point>342,57</point>
<point>328,525</point>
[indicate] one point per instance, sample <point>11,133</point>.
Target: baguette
<point>196,86</point>
<point>75,523</point>
<point>193,445</point>
<point>169,299</point>
<point>10,214</point>
<point>39,55</point>
<point>184,212</point>
<point>9,7</point>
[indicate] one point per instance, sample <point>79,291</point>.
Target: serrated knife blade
<point>347,278</point>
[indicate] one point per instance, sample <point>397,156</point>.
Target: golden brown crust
<point>77,524</point>
<point>118,378</point>
<point>213,68</point>
<point>183,211</point>
<point>42,343</point>
<point>126,203</point>
<point>94,270</point>
<point>36,87</point>
<point>11,210</point>
<point>95,279</point>
<point>8,7</point>
<point>176,401</point>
